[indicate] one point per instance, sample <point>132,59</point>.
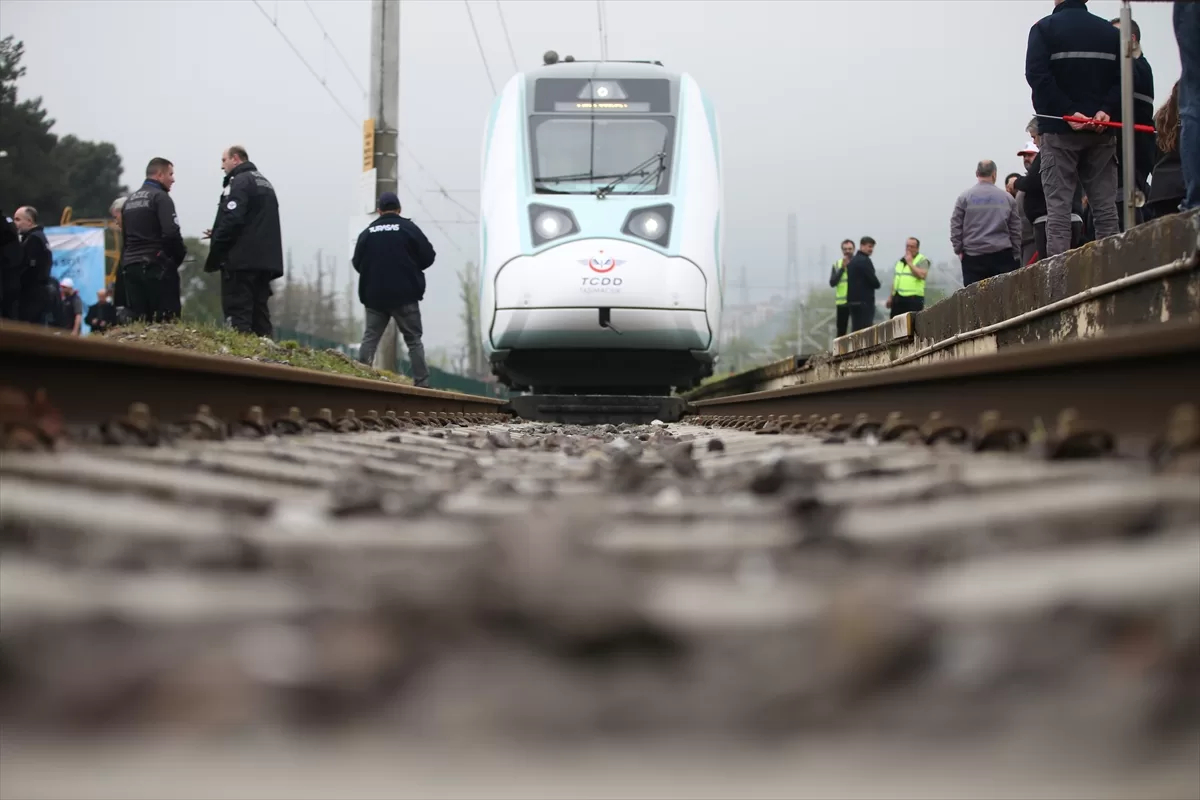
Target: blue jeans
<point>1187,34</point>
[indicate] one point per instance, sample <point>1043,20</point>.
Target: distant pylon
<point>792,280</point>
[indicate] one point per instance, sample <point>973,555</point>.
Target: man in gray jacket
<point>985,230</point>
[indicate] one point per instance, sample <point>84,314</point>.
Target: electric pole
<point>380,131</point>
<point>1129,201</point>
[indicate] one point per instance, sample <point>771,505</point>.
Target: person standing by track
<point>839,279</point>
<point>1072,66</point>
<point>390,257</point>
<point>153,247</point>
<point>908,282</point>
<point>861,283</point>
<point>985,231</point>
<point>247,244</point>
<point>1186,17</point>
<point>39,291</point>
<point>10,269</point>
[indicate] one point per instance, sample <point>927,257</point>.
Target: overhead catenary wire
<point>607,27</point>
<point>304,61</point>
<point>435,223</point>
<point>337,50</point>
<point>357,124</point>
<point>441,190</point>
<point>479,44</point>
<point>600,29</point>
<point>504,26</point>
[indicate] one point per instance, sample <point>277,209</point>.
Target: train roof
<point>603,69</point>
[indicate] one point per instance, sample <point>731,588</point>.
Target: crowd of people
<point>1072,189</point>
<point>246,248</point>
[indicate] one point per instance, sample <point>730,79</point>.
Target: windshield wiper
<point>582,176</point>
<point>638,171</point>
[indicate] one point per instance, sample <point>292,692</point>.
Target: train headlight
<point>551,223</point>
<point>652,224</point>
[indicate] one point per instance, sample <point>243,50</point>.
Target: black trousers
<point>244,297</point>
<point>119,297</point>
<point>172,296</point>
<point>862,315</point>
<point>10,300</point>
<point>986,265</point>
<point>843,319</point>
<point>906,305</point>
<point>151,291</point>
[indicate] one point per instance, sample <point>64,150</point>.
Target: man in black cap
<point>247,246</point>
<point>391,257</point>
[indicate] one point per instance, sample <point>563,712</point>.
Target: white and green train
<point>601,230</point>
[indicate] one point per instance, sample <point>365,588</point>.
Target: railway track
<point>250,601</point>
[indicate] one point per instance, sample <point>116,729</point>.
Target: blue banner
<point>79,255</point>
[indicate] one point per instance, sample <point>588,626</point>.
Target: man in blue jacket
<point>391,257</point>
<point>1072,64</point>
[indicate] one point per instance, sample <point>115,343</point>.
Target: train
<point>601,230</point>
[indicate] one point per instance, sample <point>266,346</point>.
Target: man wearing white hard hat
<point>1032,203</point>
<point>72,305</point>
<point>1028,245</point>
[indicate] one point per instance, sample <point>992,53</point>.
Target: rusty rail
<point>90,381</point>
<point>1126,384</point>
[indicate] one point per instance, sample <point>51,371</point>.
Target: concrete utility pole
<point>1129,204</point>
<point>380,132</point>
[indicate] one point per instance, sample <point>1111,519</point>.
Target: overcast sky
<point>862,117</point>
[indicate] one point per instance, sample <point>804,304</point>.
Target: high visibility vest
<point>843,282</point>
<point>906,284</point>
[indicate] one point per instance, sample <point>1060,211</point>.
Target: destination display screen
<point>606,95</point>
<point>584,105</point>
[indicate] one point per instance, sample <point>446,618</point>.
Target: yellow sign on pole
<point>368,145</point>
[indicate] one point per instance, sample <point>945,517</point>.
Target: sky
<point>863,117</point>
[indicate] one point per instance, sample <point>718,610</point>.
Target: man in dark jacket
<point>10,269</point>
<point>153,248</point>
<point>861,283</point>
<point>39,296</point>
<point>247,246</point>
<point>1033,206</point>
<point>1072,65</point>
<point>102,316</point>
<point>391,256</point>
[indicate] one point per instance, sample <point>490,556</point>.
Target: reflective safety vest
<point>843,282</point>
<point>906,284</point>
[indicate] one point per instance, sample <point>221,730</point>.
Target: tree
<point>200,290</point>
<point>91,174</point>
<point>468,284</point>
<point>312,310</point>
<point>41,170</point>
<point>28,175</point>
<point>737,354</point>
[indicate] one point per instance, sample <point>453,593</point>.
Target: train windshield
<point>580,155</point>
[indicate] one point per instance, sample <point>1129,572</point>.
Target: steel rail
<point>90,380</point>
<point>1125,383</point>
